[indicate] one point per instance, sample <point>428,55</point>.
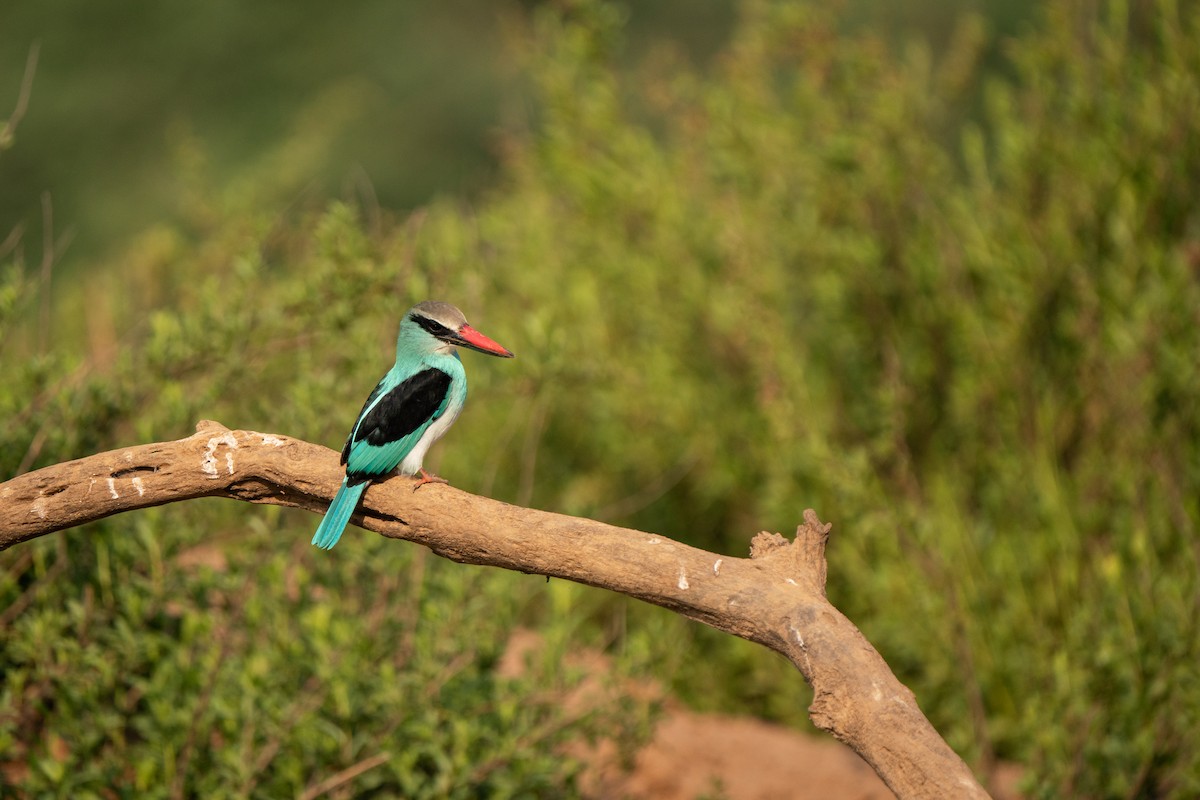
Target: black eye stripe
<point>432,327</point>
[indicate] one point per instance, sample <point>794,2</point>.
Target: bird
<point>411,407</point>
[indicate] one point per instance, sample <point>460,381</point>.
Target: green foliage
<point>257,676</point>
<point>977,358</point>
<point>799,279</point>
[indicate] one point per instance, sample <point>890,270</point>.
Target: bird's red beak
<point>469,337</point>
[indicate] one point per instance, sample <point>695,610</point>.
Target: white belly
<point>411,464</point>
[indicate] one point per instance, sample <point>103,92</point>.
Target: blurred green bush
<point>796,279</point>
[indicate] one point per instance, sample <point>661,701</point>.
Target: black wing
<point>400,411</point>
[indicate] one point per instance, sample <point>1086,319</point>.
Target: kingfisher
<point>412,406</point>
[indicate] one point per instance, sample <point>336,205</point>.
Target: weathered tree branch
<point>776,597</point>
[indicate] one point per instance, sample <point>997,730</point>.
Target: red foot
<point>427,477</point>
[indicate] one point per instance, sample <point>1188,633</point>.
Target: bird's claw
<point>427,477</point>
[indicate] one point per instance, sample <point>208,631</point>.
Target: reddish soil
<point>716,756</point>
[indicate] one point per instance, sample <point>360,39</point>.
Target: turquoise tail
<point>340,510</point>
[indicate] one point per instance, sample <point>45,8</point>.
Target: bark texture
<point>776,597</point>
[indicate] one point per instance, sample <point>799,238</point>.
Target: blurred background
<point>403,100</point>
<point>932,270</point>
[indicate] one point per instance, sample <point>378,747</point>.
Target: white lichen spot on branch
<point>38,508</point>
<point>799,636</point>
<point>209,465</point>
<point>683,581</point>
<point>717,566</point>
<point>112,489</point>
<point>137,484</point>
<point>274,441</point>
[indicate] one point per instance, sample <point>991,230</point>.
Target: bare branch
<point>10,126</point>
<point>775,598</point>
<point>345,776</point>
